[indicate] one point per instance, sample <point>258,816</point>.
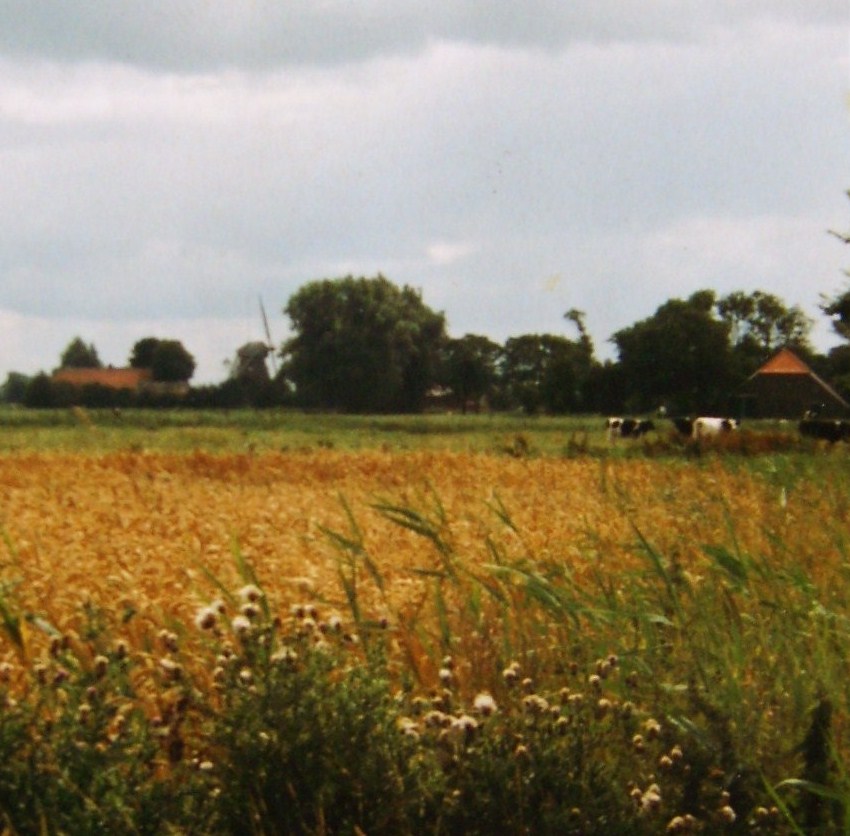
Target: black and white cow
<point>824,429</point>
<point>628,427</point>
<point>704,426</point>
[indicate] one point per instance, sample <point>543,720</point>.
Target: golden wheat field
<point>141,532</point>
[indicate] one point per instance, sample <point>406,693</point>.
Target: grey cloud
<point>200,35</point>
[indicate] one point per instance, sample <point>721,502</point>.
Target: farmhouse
<point>110,377</point>
<point>785,387</point>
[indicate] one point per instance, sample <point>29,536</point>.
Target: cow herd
<point>706,427</point>
<point>698,428</point>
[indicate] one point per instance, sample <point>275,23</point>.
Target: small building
<point>111,378</point>
<point>785,387</point>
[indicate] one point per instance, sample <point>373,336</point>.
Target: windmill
<point>269,342</point>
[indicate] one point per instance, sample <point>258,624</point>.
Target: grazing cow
<point>823,429</point>
<point>709,427</point>
<point>628,427</point>
<point>704,426</point>
<point>684,426</point>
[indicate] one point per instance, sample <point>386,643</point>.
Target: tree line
<point>366,345</point>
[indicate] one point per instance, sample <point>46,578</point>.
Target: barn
<point>785,387</point>
<point>110,377</point>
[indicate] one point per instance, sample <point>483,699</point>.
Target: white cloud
<point>443,253</point>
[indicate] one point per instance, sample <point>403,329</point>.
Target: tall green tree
<point>362,345</point>
<point>545,372</point>
<point>469,367</point>
<point>679,357</point>
<point>15,388</point>
<point>172,362</point>
<point>168,360</point>
<point>141,356</point>
<point>760,323</point>
<point>79,355</point>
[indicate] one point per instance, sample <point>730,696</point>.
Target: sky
<point>166,165</point>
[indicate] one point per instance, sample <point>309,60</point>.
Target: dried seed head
<point>101,663</point>
<point>652,728</point>
<point>435,719</point>
<point>464,726</point>
<point>206,618</point>
<point>727,814</point>
<point>249,610</point>
<point>408,727</point>
<point>603,706</point>
<point>651,799</point>
<point>510,675</point>
<point>535,704</point>
<point>575,700</point>
<point>484,704</point>
<point>168,640</point>
<point>250,593</point>
<point>171,669</point>
<point>335,624</point>
<point>446,676</point>
<point>240,626</point>
<point>521,753</point>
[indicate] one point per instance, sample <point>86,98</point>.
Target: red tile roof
<point>113,378</point>
<point>785,362</point>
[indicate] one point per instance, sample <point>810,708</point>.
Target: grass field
<point>209,619</point>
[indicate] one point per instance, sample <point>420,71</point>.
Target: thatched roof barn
<point>785,387</point>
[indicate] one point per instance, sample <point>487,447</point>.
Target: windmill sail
<point>268,333</point>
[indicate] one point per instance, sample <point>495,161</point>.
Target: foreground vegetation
<point>317,640</point>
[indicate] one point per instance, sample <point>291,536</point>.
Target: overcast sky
<point>165,164</point>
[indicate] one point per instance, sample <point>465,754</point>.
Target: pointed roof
<point>788,364</point>
<point>785,362</point>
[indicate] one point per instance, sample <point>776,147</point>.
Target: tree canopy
<point>362,345</point>
<point>141,356</point>
<point>79,355</point>
<point>168,360</point>
<point>679,357</point>
<point>469,367</point>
